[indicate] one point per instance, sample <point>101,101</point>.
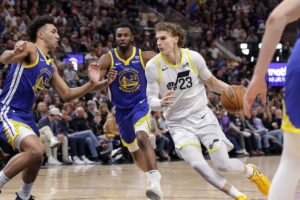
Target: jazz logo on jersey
<point>183,81</point>
<point>129,80</point>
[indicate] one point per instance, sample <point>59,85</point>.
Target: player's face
<point>166,43</point>
<point>50,36</point>
<point>124,38</point>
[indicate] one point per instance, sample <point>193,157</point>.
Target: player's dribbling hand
<point>94,73</point>
<point>257,86</point>
<point>112,74</point>
<point>19,47</point>
<point>167,101</point>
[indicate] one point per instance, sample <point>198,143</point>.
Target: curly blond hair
<point>174,29</point>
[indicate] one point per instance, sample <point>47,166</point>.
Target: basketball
<point>232,98</point>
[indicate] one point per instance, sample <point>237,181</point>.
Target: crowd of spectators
<point>85,130</point>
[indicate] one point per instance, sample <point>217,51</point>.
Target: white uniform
<point>189,119</point>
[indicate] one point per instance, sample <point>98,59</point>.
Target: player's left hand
<point>94,73</point>
<point>256,87</point>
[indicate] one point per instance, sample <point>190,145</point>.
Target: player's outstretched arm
<point>205,75</point>
<point>286,12</point>
<point>215,85</point>
<point>67,93</point>
<point>22,50</point>
<point>104,63</point>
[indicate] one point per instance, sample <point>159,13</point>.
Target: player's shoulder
<point>105,60</point>
<point>153,61</point>
<point>147,55</point>
<point>31,47</point>
<point>192,53</point>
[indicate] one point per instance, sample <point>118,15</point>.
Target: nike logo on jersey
<point>163,69</point>
<point>203,116</point>
<point>118,63</point>
<point>42,60</point>
<point>142,101</point>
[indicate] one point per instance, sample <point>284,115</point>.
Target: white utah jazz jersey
<point>185,78</point>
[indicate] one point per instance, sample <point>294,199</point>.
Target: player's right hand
<point>256,87</point>
<point>112,74</point>
<point>167,101</point>
<point>19,47</point>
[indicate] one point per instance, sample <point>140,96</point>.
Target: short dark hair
<point>125,25</point>
<point>37,23</point>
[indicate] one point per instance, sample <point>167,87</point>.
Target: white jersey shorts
<point>199,127</point>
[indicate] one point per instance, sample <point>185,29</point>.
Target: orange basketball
<point>232,98</point>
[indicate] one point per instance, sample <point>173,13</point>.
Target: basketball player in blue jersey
<point>31,69</point>
<point>287,176</point>
<point>128,95</point>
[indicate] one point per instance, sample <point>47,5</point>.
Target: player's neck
<point>42,47</point>
<point>174,57</point>
<point>125,54</point>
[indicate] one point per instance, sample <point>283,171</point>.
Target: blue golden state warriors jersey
<point>24,83</point>
<point>129,87</point>
<point>291,119</point>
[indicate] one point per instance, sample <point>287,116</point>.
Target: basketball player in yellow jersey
<point>288,174</point>
<point>179,76</point>
<point>128,95</point>
<point>31,69</point>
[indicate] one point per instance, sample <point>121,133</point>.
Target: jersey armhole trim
<point>112,60</point>
<point>33,64</point>
<point>141,58</point>
<point>194,68</point>
<point>159,70</point>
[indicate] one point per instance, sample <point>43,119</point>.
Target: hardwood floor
<point>126,182</point>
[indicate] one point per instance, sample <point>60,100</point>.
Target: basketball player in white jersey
<point>179,76</point>
<point>285,181</point>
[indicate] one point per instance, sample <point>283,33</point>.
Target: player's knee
<point>197,165</point>
<point>224,167</point>
<point>37,152</point>
<point>142,139</point>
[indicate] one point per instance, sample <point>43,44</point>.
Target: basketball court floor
<point>126,182</point>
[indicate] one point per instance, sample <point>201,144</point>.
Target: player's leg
<point>141,129</point>
<point>135,138</point>
<point>213,138</point>
<point>28,160</point>
<point>286,178</point>
<point>219,155</point>
<point>189,148</point>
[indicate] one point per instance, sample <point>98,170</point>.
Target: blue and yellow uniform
<point>291,119</point>
<point>23,84</point>
<point>128,94</point>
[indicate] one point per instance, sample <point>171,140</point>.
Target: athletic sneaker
<point>30,198</point>
<point>154,192</point>
<point>242,197</point>
<point>261,181</point>
<point>54,142</point>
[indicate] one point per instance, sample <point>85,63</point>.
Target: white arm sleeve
<point>152,86</point>
<point>200,64</point>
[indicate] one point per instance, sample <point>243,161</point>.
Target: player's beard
<point>124,48</point>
